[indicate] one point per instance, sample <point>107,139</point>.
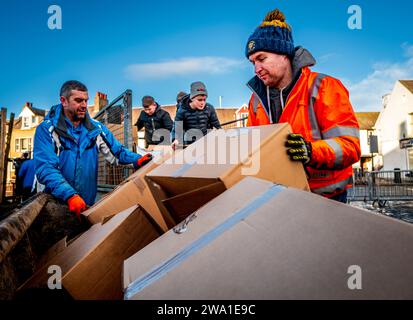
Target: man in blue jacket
<point>66,148</point>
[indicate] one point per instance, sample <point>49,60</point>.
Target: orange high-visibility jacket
<point>318,107</point>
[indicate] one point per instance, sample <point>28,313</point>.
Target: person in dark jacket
<point>194,117</point>
<point>179,98</point>
<point>25,177</point>
<point>157,122</point>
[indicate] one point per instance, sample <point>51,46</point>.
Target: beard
<point>79,116</point>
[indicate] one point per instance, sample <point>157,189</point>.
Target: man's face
<point>271,68</point>
<point>75,107</point>
<point>199,102</point>
<point>150,110</point>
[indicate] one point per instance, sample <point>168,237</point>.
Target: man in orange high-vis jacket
<point>317,106</point>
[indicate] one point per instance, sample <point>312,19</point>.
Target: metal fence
<point>235,123</point>
<point>117,117</point>
<point>382,186</point>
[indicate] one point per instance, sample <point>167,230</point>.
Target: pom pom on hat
<point>272,35</point>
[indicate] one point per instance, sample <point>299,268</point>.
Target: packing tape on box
<point>168,265</point>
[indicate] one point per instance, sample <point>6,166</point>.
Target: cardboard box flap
<point>73,253</point>
<point>182,205</point>
<point>99,275</point>
<point>132,191</point>
<point>91,265</point>
<point>57,248</point>
<point>288,244</point>
<point>176,186</point>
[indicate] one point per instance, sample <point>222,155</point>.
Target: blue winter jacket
<point>66,158</point>
<point>26,174</point>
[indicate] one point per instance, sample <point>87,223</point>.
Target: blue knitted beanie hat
<point>272,35</point>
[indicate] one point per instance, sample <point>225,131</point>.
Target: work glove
<point>76,205</point>
<point>143,160</point>
<point>298,148</point>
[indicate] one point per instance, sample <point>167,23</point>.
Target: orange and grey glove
<point>298,148</point>
<point>76,205</point>
<point>143,160</point>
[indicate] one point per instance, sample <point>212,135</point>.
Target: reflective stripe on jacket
<point>318,107</point>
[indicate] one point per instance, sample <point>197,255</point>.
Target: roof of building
<point>408,84</point>
<point>367,120</point>
<point>37,112</point>
<point>17,123</point>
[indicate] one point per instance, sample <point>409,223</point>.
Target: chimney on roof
<point>101,100</point>
<point>29,104</point>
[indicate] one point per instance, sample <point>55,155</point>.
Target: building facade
<point>370,159</point>
<point>394,127</point>
<point>22,137</point>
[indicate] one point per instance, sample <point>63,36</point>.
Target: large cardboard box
<point>216,162</point>
<point>132,191</point>
<point>91,266</point>
<point>258,240</point>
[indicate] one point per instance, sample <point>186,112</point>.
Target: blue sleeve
<point>22,170</point>
<point>47,165</point>
<point>119,151</point>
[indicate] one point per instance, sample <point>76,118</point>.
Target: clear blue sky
<point>160,47</point>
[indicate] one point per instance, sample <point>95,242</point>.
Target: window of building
<point>26,144</point>
<point>23,144</point>
<point>33,119</point>
<point>17,145</point>
<point>240,116</point>
<point>25,122</point>
<point>12,171</point>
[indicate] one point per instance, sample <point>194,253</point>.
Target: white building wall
<point>27,118</point>
<point>365,148</point>
<point>365,152</point>
<point>394,124</point>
